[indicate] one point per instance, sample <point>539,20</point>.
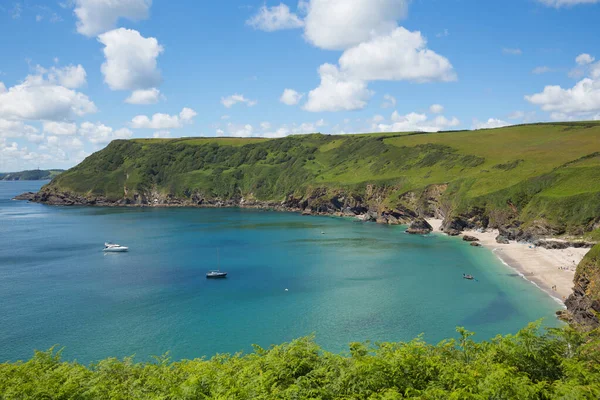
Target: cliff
<point>583,306</point>
<point>531,180</point>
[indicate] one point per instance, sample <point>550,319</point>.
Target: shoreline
<point>552,271</point>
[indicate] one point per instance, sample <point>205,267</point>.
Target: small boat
<point>469,277</point>
<point>114,248</point>
<point>216,274</point>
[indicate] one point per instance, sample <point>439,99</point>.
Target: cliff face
<point>583,306</point>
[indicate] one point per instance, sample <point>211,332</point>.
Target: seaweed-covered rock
<point>419,227</point>
<point>468,238</point>
<point>502,239</point>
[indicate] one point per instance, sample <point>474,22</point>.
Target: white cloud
<point>2,87</point>
<point>144,96</point>
<point>265,125</point>
<point>489,124</point>
<point>98,16</point>
<point>225,117</point>
<point>444,33</point>
<point>15,129</point>
<point>290,97</point>
<point>414,122</point>
<point>71,76</point>
<point>161,121</point>
<point>232,100</point>
<point>130,60</point>
<point>512,52</point>
<point>582,98</point>
<point>516,115</point>
<point>566,3</point>
<point>337,92</point>
<point>60,128</point>
<point>436,108</point>
<point>389,101</point>
<point>275,18</point>
<point>268,131</point>
<point>584,59</point>
<point>161,134</point>
<point>541,70</point>
<point>37,98</point>
<point>100,134</point>
<point>339,24</point>
<point>400,55</point>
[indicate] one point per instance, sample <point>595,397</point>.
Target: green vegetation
<point>541,173</point>
<point>33,175</point>
<point>556,364</point>
<point>588,271</point>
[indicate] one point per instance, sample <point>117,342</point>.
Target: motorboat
<point>114,248</point>
<point>469,277</point>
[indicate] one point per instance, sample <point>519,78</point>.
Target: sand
<point>550,270</point>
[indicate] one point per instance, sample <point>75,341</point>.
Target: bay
<point>356,282</point>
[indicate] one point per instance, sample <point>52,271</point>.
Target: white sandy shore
<point>551,270</point>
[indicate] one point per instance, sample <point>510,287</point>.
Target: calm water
<point>357,282</point>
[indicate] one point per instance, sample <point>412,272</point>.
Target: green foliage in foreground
<point>32,175</point>
<point>556,364</point>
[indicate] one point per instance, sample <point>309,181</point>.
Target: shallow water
<point>358,281</point>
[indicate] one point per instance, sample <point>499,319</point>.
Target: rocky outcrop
<point>468,238</point>
<point>562,244</point>
<point>583,306</point>
<point>502,239</point>
<point>476,244</point>
<point>454,226</point>
<point>29,196</point>
<point>419,227</point>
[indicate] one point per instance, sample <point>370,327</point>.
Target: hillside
<point>31,175</point>
<point>584,304</point>
<point>542,178</point>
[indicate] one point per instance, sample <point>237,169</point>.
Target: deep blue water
<point>358,281</point>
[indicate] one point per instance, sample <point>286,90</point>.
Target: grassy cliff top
<point>549,171</point>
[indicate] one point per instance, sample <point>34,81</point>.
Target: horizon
<point>81,73</point>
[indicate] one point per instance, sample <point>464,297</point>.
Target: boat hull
<point>117,250</point>
<point>216,276</point>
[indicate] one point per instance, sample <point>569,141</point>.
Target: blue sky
<point>76,74</point>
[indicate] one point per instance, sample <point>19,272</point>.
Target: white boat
<point>114,248</point>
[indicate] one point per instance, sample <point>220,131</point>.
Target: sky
<point>77,74</point>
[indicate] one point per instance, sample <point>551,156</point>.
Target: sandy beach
<point>551,270</point>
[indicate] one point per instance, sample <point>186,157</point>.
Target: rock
<point>454,226</point>
<point>307,211</point>
<point>25,196</point>
<point>581,309</point>
<point>559,244</point>
<point>468,238</point>
<point>502,239</point>
<point>475,244</point>
<point>419,227</point>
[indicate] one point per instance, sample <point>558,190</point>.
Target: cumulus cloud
<point>566,3</point>
<point>337,92</point>
<point>489,124</point>
<point>582,98</point>
<point>60,128</point>
<point>144,96</point>
<point>98,16</point>
<point>584,59</point>
<point>15,129</point>
<point>415,122</point>
<point>130,60</point>
<point>234,99</point>
<point>275,18</point>
<point>267,130</point>
<point>340,24</point>
<point>100,134</point>
<point>389,101</point>
<point>161,121</point>
<point>290,97</point>
<point>37,98</point>
<point>71,76</point>
<point>436,108</point>
<point>400,55</point>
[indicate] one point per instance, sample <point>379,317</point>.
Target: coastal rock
<point>419,227</point>
<point>454,226</point>
<point>468,238</point>
<point>307,211</point>
<point>476,244</point>
<point>502,239</point>
<point>25,196</point>
<point>582,310</point>
<point>560,244</point>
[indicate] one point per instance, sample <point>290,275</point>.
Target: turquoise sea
<point>357,281</point>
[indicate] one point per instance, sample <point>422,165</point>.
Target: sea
<point>289,276</point>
